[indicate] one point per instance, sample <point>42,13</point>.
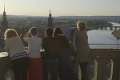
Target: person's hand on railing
<point>26,49</point>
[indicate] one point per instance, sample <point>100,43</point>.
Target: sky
<point>61,7</point>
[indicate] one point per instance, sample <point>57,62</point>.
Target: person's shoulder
<point>59,37</point>
<point>16,37</point>
<point>28,38</point>
<point>48,38</point>
<point>84,31</point>
<point>43,39</point>
<point>39,38</point>
<point>80,32</point>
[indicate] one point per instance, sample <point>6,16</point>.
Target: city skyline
<point>61,7</point>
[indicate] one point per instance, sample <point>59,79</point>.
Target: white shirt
<point>34,46</point>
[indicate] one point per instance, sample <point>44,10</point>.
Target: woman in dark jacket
<point>50,59</point>
<point>64,55</point>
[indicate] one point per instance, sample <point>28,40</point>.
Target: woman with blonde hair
<point>17,54</point>
<point>83,50</point>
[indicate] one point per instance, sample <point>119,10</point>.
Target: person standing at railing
<point>50,58</point>
<point>17,54</point>
<point>34,45</point>
<point>83,51</point>
<point>65,65</point>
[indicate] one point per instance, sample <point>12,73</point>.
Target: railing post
<point>102,56</point>
<point>116,67</point>
<point>101,67</point>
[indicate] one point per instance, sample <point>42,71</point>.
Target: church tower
<point>50,20</point>
<point>4,24</point>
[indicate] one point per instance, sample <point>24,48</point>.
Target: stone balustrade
<point>105,64</point>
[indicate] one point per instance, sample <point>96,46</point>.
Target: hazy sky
<point>61,7</point>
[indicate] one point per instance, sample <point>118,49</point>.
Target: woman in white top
<point>17,53</point>
<point>34,46</point>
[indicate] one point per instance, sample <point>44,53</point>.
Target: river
<point>103,38</point>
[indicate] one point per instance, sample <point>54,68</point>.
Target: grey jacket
<point>83,50</point>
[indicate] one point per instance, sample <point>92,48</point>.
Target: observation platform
<point>104,66</point>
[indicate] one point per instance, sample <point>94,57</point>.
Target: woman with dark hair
<point>50,58</point>
<point>61,38</point>
<point>83,50</point>
<point>64,55</point>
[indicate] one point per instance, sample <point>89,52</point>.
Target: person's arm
<point>20,35</point>
<point>26,36</point>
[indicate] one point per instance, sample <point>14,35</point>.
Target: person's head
<point>81,26</point>
<point>34,31</point>
<point>57,31</point>
<point>10,33</point>
<point>48,32</point>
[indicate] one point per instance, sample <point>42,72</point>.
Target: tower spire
<point>4,6</point>
<point>4,13</point>
<point>50,13</point>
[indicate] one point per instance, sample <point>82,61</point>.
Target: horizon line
<point>59,15</point>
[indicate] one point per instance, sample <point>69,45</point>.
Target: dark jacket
<point>62,41</point>
<point>50,47</point>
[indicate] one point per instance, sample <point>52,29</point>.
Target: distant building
<point>50,21</point>
<point>12,24</point>
<point>4,24</point>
